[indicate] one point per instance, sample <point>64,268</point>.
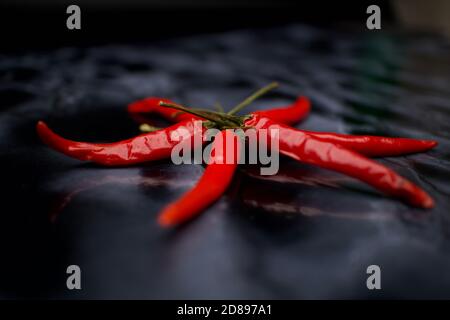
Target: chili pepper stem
<point>221,119</point>
<point>187,110</point>
<point>219,107</point>
<point>252,98</point>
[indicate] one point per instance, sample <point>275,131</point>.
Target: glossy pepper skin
<point>290,114</point>
<point>375,146</point>
<point>145,147</point>
<point>213,183</point>
<point>315,151</point>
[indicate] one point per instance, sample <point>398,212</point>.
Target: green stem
<point>184,109</point>
<point>220,119</point>
<point>252,98</point>
<point>219,107</point>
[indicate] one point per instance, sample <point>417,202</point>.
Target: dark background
<point>31,24</point>
<point>304,233</point>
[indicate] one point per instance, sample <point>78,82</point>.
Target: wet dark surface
<point>304,233</point>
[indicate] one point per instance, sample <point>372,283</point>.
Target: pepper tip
<point>165,220</point>
<point>433,143</point>
<point>424,200</point>
<point>428,203</point>
<point>40,126</point>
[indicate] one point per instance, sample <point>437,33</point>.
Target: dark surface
<point>305,233</point>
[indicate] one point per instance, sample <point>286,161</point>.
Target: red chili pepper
<point>337,152</point>
<point>213,183</point>
<point>375,146</point>
<point>290,114</point>
<point>152,105</point>
<point>145,147</point>
<point>312,150</point>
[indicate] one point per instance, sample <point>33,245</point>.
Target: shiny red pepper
<point>375,146</point>
<point>290,114</point>
<point>213,183</point>
<point>313,150</point>
<point>145,147</point>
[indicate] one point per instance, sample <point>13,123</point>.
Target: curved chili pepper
<point>145,147</point>
<point>213,183</point>
<point>312,150</point>
<point>375,146</point>
<point>152,105</point>
<point>290,114</point>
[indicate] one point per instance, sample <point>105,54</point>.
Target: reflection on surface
<point>276,195</point>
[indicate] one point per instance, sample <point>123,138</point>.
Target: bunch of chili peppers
<point>347,154</point>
